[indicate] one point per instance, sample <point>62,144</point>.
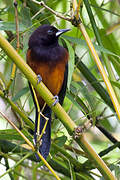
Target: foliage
<point>86,98</point>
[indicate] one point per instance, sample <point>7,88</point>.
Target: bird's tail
<point>45,140</point>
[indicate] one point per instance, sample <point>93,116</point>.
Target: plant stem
<point>59,111</point>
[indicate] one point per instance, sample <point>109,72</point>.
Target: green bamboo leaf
<point>116,169</point>
<point>78,102</point>
<point>84,91</point>
<point>69,96</point>
<point>25,17</point>
<point>60,141</point>
<point>10,26</point>
<point>83,43</point>
<point>103,9</point>
<point>115,83</point>
<point>20,94</point>
<point>12,134</point>
<point>95,84</point>
<point>72,172</point>
<point>70,63</point>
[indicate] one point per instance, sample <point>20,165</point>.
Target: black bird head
<point>45,35</point>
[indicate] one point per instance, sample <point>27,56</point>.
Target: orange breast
<point>52,74</point>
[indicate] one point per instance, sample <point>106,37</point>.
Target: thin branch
<point>48,97</point>
<point>101,69</point>
<point>16,109</point>
<point>19,162</point>
<point>31,145</point>
<point>17,46</point>
<point>51,10</point>
<point>17,24</point>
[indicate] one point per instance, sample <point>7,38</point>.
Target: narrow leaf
<point>70,63</point>
<point>20,94</point>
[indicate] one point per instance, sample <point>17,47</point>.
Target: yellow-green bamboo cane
<point>59,111</point>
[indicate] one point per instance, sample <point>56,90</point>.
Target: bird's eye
<point>50,32</point>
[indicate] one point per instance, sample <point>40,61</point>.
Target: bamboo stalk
<point>59,111</point>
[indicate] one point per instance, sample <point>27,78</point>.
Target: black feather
<point>62,92</point>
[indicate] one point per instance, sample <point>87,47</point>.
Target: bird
<point>48,60</point>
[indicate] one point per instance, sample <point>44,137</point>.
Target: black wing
<point>62,92</point>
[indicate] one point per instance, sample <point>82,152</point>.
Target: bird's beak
<point>61,31</point>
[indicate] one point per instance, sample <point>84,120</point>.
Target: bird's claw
<point>39,78</point>
<point>37,143</point>
<point>56,100</point>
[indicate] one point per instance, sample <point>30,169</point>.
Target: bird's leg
<point>44,128</point>
<point>37,143</point>
<point>37,121</point>
<point>38,127</point>
<point>56,100</point>
<point>43,107</point>
<point>38,134</point>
